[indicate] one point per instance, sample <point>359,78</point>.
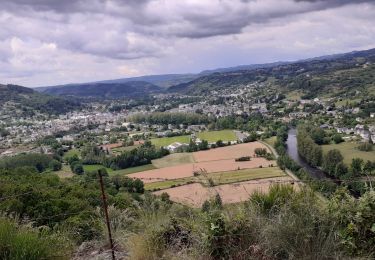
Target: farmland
<point>188,178</point>
<point>213,136</point>
<point>173,159</point>
<point>220,178</point>
<point>349,151</point>
<point>195,194</point>
<point>165,141</point>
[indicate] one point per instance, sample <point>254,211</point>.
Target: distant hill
<point>162,81</point>
<point>355,70</point>
<point>130,89</point>
<point>26,101</point>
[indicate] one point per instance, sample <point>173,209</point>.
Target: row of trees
<point>41,162</point>
<point>136,157</point>
<point>307,147</point>
<point>169,118</point>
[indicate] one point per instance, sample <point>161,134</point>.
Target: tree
<point>77,167</point>
<point>138,186</point>
<point>330,160</point>
<point>55,165</point>
<point>356,166</point>
<point>341,170</point>
<point>337,138</point>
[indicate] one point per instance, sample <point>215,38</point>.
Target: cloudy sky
<point>48,42</point>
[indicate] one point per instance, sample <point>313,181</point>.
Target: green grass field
<point>65,172</point>
<point>134,169</point>
<point>349,151</point>
<point>173,159</point>
<point>95,167</point>
<point>166,184</point>
<point>71,153</point>
<point>220,178</point>
<point>213,136</point>
<point>165,141</point>
<point>271,141</point>
<point>125,148</point>
<point>245,175</point>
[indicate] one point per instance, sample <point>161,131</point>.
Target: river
<point>293,153</point>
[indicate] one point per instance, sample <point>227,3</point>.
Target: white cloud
<point>50,42</point>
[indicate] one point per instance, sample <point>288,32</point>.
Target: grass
<point>165,141</point>
<point>245,175</point>
<point>65,172</point>
<point>95,167</point>
<point>220,178</point>
<point>173,159</point>
<point>344,101</point>
<point>271,141</point>
<point>294,95</point>
<point>349,151</point>
<point>141,168</point>
<point>161,185</point>
<point>71,153</point>
<point>125,148</point>
<point>213,136</point>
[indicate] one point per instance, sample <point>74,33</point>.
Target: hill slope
<point>26,101</point>
<point>339,72</point>
<point>105,90</point>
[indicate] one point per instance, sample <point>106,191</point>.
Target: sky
<point>51,42</point>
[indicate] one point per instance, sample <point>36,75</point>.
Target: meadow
<point>349,151</point>
<point>165,141</point>
<point>214,136</point>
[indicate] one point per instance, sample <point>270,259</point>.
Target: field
<point>165,141</point>
<point>131,170</point>
<point>228,152</point>
<point>349,151</point>
<point>213,136</point>
<point>173,159</point>
<point>65,172</point>
<point>220,177</point>
<point>195,194</point>
<point>71,153</point>
<point>95,167</point>
<point>125,148</point>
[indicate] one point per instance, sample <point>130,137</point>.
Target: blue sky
<point>48,42</point>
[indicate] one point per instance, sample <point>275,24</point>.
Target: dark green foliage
<point>169,118</point>
<point>131,89</point>
<point>331,160</point>
<point>18,242</point>
<point>39,161</point>
<point>356,166</point>
<point>337,138</point>
<point>30,101</point>
<point>307,148</point>
<point>136,157</point>
<point>356,219</point>
<point>55,165</point>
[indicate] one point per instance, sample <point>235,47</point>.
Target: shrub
<point>23,242</point>
<point>365,147</point>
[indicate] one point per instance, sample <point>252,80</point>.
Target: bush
<point>365,147</point>
<point>23,242</point>
<point>55,165</point>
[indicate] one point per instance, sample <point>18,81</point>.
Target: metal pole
<point>105,208</point>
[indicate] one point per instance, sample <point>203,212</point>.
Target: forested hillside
<point>105,90</point>
<point>336,73</point>
<point>27,101</point>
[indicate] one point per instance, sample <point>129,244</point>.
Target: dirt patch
<point>187,170</point>
<point>228,152</point>
<point>192,194</point>
<point>195,194</point>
